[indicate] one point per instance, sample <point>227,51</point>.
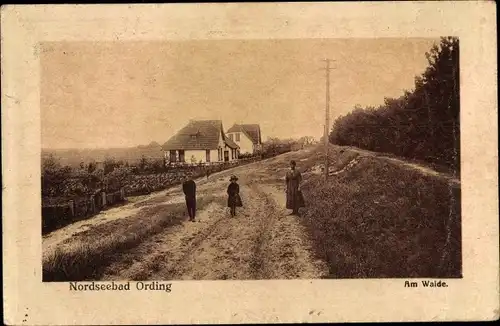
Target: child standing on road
<point>234,199</point>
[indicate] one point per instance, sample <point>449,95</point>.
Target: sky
<point>121,94</point>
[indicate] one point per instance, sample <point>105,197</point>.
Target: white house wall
<point>224,146</point>
<point>214,155</point>
<point>230,150</point>
<point>246,145</point>
<point>200,155</point>
<point>222,143</point>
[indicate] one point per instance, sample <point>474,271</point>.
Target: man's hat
<point>233,177</point>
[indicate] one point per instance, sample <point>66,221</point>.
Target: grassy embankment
<point>84,256</point>
<point>379,219</point>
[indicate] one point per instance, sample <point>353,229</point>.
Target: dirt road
<point>261,242</point>
<point>150,238</point>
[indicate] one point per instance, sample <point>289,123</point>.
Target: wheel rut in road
<point>261,242</point>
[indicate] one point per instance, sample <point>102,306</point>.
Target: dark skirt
<point>294,199</point>
<point>234,201</point>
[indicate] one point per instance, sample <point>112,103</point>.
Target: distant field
<point>73,157</point>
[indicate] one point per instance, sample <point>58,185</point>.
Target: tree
<point>143,163</point>
<point>305,141</point>
<point>420,124</point>
<point>155,166</point>
<point>109,165</point>
<point>53,176</point>
<point>91,167</point>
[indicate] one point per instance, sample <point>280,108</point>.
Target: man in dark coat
<point>189,189</point>
<point>207,172</point>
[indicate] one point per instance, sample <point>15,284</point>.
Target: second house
<point>247,137</point>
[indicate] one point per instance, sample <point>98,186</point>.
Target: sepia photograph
<point>257,163</point>
<point>210,160</point>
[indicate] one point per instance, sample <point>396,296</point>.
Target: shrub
<point>382,220</point>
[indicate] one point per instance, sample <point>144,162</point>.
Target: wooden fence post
<point>122,193</point>
<point>92,205</point>
<point>71,205</point>
<point>104,199</point>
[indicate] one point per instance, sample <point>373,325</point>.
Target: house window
<point>193,137</point>
<point>237,136</point>
<point>207,153</point>
<point>231,136</point>
<point>172,156</point>
<point>182,156</point>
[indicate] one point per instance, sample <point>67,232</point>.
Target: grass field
<point>84,256</point>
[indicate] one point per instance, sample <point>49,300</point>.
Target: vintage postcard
<point>249,163</point>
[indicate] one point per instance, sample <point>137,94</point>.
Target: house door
<point>173,156</point>
<point>226,156</point>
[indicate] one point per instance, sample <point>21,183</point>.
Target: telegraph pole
<point>327,115</point>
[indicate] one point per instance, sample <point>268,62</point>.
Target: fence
<point>178,166</point>
<point>59,214</point>
<point>143,184</point>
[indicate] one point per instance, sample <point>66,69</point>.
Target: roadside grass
<point>85,256</point>
<point>276,168</point>
<point>379,220</point>
<point>454,172</point>
<point>145,260</point>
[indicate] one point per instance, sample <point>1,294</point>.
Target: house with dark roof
<point>247,137</point>
<point>201,141</point>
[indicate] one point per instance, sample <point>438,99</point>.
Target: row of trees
<point>59,180</point>
<point>275,146</point>
<point>422,124</point>
<point>110,164</point>
<point>53,176</point>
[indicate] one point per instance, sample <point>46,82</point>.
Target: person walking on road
<point>189,189</point>
<point>294,199</point>
<point>234,199</point>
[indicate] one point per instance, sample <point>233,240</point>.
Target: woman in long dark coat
<point>294,199</point>
<point>233,192</point>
